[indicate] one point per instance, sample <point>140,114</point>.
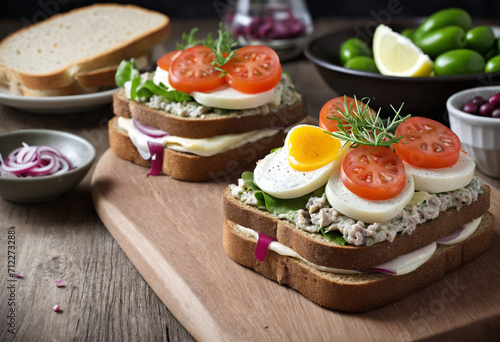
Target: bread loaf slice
<point>318,249</point>
<point>210,125</point>
<point>49,54</point>
<point>190,167</point>
<point>354,292</point>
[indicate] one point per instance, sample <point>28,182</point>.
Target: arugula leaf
<point>149,88</point>
<point>126,71</point>
<point>335,236</point>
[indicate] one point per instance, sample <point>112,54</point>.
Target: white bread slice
<point>189,167</point>
<point>355,292</point>
<point>105,77</point>
<point>322,251</point>
<point>208,126</point>
<point>49,54</point>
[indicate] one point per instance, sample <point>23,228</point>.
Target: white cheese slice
<point>226,97</point>
<point>444,179</point>
<point>403,264</point>
<point>368,211</point>
<point>462,233</point>
<point>203,147</point>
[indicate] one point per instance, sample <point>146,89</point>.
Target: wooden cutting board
<point>172,233</point>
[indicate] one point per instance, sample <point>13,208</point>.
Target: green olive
<point>459,62</point>
<point>480,39</point>
<point>353,47</point>
<point>446,17</point>
<point>493,64</point>
<point>408,33</point>
<point>363,63</point>
<point>441,40</point>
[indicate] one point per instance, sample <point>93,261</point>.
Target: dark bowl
<point>422,96</point>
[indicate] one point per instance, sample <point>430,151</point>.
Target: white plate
<point>56,104</point>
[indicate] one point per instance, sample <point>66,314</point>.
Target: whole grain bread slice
<point>189,167</point>
<point>49,54</point>
<point>354,292</point>
<point>208,126</point>
<point>322,251</point>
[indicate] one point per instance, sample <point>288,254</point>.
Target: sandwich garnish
<point>356,123</point>
<point>145,88</point>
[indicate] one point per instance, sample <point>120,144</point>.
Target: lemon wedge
<point>396,55</point>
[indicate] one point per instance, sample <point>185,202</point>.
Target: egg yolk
<point>310,148</point>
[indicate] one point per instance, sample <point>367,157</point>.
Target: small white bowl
<point>42,189</point>
<point>480,136</point>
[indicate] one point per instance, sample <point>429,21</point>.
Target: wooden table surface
<point>103,297</point>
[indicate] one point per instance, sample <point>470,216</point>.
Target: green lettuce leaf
<point>335,236</point>
<point>278,206</point>
<point>149,88</point>
<point>127,71</point>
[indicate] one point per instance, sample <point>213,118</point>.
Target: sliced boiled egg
<point>443,179</point>
<point>310,147</point>
<point>226,97</point>
<point>299,167</point>
<point>229,98</point>
<point>369,211</point>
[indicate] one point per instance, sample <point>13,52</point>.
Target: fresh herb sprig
<point>222,48</point>
<point>361,127</point>
<point>188,40</point>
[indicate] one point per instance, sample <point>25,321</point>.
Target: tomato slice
<point>193,70</point>
<point>165,61</point>
<point>330,109</point>
<point>427,143</point>
<point>253,69</point>
<point>373,172</point>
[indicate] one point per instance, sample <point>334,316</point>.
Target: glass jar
<point>283,25</point>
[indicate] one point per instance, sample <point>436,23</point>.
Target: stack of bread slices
<point>78,52</point>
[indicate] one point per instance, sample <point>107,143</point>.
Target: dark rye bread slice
<point>355,292</point>
<point>206,127</point>
<point>320,250</point>
<point>190,167</point>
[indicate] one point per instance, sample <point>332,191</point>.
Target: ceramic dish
<point>56,104</point>
<point>480,136</point>
<point>41,189</point>
<point>422,96</point>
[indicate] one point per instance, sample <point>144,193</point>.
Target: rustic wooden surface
<point>104,298</point>
<point>178,250</point>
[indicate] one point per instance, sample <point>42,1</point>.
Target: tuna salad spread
<point>192,109</point>
<point>318,213</point>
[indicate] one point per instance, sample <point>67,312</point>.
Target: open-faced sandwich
<point>355,217</point>
<point>207,110</point>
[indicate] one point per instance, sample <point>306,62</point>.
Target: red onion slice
<point>34,161</point>
<point>263,243</point>
<point>156,151</point>
<point>462,233</point>
<point>148,130</point>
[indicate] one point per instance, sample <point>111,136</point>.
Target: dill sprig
<point>222,48</point>
<point>361,127</point>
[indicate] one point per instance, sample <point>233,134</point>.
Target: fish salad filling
<point>192,109</point>
<point>319,215</point>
